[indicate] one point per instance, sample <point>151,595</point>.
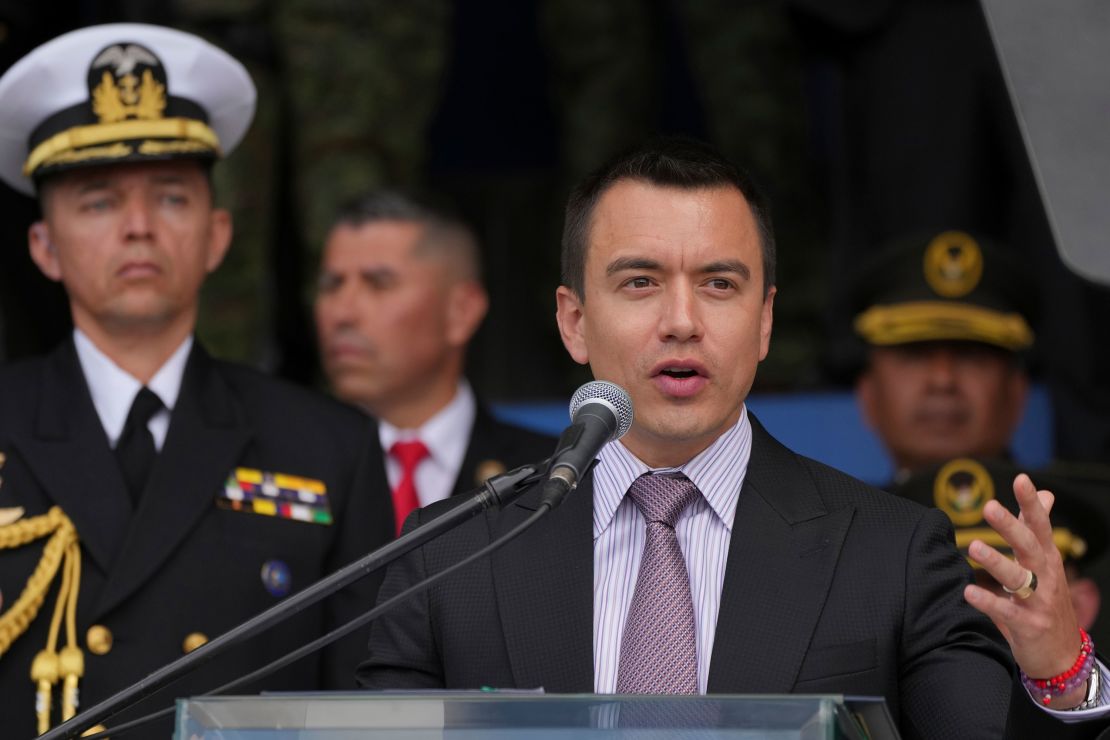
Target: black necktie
<point>135,451</point>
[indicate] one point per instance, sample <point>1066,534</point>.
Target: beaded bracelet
<point>1047,688</point>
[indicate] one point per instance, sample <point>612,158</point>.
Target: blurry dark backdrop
<point>863,119</point>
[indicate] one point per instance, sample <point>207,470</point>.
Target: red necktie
<point>408,454</point>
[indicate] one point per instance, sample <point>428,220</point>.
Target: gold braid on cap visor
<point>104,133</point>
<point>932,320</point>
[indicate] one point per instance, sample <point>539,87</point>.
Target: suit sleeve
<point>403,650</point>
<point>365,523</point>
<point>955,667</point>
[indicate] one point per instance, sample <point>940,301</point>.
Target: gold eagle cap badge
<point>953,264</point>
<point>127,81</point>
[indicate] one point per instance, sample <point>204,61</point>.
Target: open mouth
<point>680,381</point>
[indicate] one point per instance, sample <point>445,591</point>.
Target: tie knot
<point>145,405</point>
<point>662,498</point>
<point>409,453</point>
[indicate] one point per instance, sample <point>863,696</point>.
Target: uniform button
<point>192,641</point>
<point>99,639</point>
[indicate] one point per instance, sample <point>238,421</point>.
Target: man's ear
<point>570,314</point>
<point>43,252</point>
<point>467,305</point>
<point>766,321</point>
<point>219,238</point>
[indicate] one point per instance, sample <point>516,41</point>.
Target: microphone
<point>600,412</point>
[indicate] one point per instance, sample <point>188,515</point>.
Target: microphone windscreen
<point>608,394</point>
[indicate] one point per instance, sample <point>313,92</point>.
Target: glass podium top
<point>534,716</point>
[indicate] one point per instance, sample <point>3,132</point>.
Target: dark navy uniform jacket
<point>186,565</point>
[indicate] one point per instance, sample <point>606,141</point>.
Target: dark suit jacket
<point>495,444</point>
<point>831,587</point>
<point>179,564</point>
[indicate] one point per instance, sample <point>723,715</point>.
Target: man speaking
<point>701,555</point>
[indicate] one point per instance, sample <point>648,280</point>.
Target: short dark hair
<point>444,231</point>
<point>672,162</point>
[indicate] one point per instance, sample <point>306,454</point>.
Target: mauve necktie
<point>659,648</point>
<point>408,454</point>
<point>135,450</point>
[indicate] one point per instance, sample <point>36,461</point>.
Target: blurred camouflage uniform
<point>346,91</point>
<point>746,70</point>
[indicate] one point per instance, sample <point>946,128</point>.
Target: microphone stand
<point>495,493</point>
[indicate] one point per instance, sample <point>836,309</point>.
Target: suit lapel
<point>481,459</point>
<point>206,437</point>
<point>544,587</point>
<point>781,561</point>
<point>69,455</point>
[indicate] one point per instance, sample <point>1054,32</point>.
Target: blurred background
<point>862,119</point>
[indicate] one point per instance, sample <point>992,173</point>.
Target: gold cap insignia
<point>129,114</point>
<point>953,264</point>
<point>127,81</point>
<point>961,489</point>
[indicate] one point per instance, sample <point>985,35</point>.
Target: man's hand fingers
<point>1004,570</point>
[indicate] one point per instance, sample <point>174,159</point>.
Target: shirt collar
<point>718,471</point>
<point>113,389</point>
<point>446,434</point>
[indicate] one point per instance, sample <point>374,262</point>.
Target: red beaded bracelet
<point>1069,680</point>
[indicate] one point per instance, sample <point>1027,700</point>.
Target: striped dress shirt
<point>703,532</point>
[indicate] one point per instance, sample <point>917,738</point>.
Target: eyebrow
<point>104,183</point>
<point>735,266</point>
<point>91,185</point>
<point>168,179</point>
<point>377,272</point>
<point>641,263</point>
<point>631,263</point>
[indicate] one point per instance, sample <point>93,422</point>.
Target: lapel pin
<point>487,469</point>
<point>277,578</point>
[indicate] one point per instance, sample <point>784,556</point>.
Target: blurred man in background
<point>946,319</point>
<point>400,296</point>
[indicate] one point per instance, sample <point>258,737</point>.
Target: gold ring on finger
<point>1026,589</point>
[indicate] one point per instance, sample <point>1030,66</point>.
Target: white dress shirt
<point>113,389</point>
<point>446,435</point>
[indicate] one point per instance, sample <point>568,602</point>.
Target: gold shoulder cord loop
<point>61,550</point>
